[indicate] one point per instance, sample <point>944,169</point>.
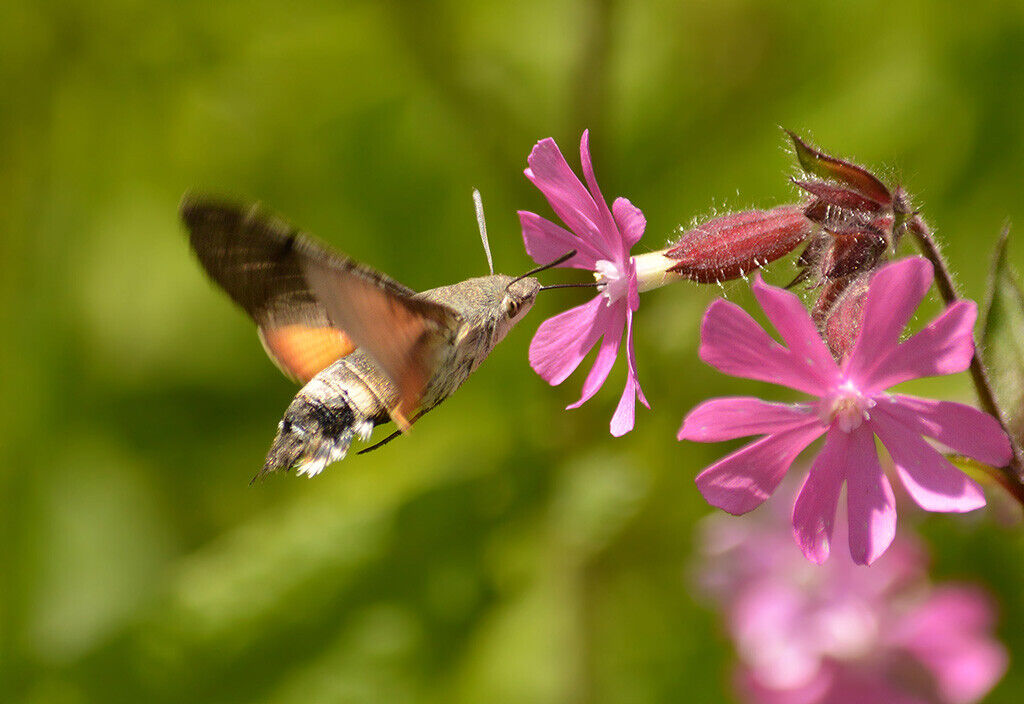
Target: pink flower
<point>950,634</point>
<point>602,239</point>
<point>842,634</point>
<point>851,407</point>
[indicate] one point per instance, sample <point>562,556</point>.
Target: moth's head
<point>309,437</point>
<point>519,298</point>
<point>513,298</point>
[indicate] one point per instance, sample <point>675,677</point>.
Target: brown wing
<point>313,305</point>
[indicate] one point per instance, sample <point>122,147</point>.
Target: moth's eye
<point>286,426</point>
<point>511,306</point>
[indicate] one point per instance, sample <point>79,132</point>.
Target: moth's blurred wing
<point>403,334</point>
<point>251,255</point>
<point>312,305</point>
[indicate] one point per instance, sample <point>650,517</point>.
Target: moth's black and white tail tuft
<point>312,435</point>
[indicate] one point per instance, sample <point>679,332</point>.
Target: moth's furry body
<point>352,396</point>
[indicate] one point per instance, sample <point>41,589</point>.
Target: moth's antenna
<point>482,223</point>
<point>536,270</point>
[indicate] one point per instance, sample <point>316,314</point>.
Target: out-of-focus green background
<point>508,551</point>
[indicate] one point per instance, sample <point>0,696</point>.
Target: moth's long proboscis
<point>536,270</point>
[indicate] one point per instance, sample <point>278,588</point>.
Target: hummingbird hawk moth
<point>366,348</point>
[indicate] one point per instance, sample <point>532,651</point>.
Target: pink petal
<point>758,689</point>
<point>736,417</point>
<point>568,198</point>
<point>949,635</point>
<point>870,503</point>
<point>741,481</point>
<point>951,611</point>
<point>633,299</point>
<point>946,346</point>
<point>895,292</point>
<point>930,479</point>
<point>608,231</point>
<point>961,428</point>
<point>814,512</point>
<point>625,412</point>
<point>768,624</point>
<point>545,241</point>
<point>609,350</point>
<point>790,318</point>
<point>733,343</point>
<point>562,342</point>
<point>631,358</point>
<point>630,221</point>
<point>967,670</point>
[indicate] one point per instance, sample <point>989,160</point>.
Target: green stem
<point>1010,477</point>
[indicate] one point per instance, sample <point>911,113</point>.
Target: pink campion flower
<point>839,633</point>
<point>935,650</point>
<point>602,239</point>
<point>852,406</point>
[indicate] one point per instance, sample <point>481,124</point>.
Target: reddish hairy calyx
<point>731,246</point>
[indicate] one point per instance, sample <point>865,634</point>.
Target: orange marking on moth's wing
<point>302,352</point>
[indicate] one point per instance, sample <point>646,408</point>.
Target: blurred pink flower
<point>843,634</point>
<point>602,239</point>
<point>852,407</point>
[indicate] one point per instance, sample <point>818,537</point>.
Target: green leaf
<point>1002,339</point>
<point>980,472</point>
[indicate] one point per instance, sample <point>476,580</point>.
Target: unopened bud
<point>852,250</point>
<point>841,323</point>
<point>838,197</point>
<point>856,178</point>
<point>730,246</point>
<point>861,220</point>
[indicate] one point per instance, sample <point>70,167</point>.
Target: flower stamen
<point>846,407</point>
<point>611,282</point>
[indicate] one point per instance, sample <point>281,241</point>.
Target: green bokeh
<point>508,551</point>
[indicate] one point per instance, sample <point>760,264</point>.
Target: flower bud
<point>858,180</point>
<point>842,321</point>
<point>853,249</point>
<point>730,246</point>
<point>827,194</point>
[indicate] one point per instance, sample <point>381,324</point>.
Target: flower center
<point>612,282</point>
<point>847,407</point>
